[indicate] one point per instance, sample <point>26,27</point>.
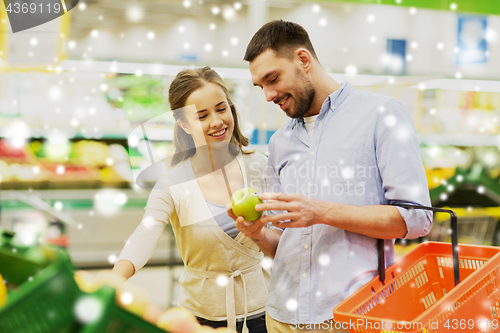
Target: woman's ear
<point>184,126</point>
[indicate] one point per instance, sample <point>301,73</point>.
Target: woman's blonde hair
<point>185,83</point>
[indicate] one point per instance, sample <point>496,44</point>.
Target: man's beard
<point>303,99</point>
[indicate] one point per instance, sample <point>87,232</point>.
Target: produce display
<point>81,164</point>
<point>134,299</point>
<point>66,300</point>
<point>442,162</point>
<point>436,177</point>
<point>141,97</point>
<point>464,112</point>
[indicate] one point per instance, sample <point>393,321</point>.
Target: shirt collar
<point>339,95</point>
<point>331,102</point>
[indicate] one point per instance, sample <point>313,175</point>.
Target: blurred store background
<point>74,90</point>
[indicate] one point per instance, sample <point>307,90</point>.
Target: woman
<point>224,283</point>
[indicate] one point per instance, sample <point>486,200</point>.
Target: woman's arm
<point>268,243</point>
<point>142,243</point>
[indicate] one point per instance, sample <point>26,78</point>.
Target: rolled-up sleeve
<point>401,169</point>
<point>418,222</point>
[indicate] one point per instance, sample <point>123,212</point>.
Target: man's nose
<point>270,94</point>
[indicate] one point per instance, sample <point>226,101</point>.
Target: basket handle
<point>454,240</point>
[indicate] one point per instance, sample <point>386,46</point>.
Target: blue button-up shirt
<point>363,151</point>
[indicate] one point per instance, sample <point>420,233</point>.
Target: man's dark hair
<point>282,37</point>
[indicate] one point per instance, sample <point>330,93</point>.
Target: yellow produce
<point>3,292</point>
<point>86,281</point>
<point>92,153</point>
<point>435,177</point>
<point>410,247</point>
<point>151,313</point>
<point>178,320</point>
<point>399,250</point>
<point>132,298</point>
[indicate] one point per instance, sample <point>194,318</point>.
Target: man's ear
<point>305,58</point>
<point>184,127</point>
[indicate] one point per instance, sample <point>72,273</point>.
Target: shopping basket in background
<point>113,318</point>
<point>475,225</point>
<point>43,296</point>
<point>41,288</point>
<point>419,293</point>
<point>44,303</point>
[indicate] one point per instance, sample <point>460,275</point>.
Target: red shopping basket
<point>419,293</point>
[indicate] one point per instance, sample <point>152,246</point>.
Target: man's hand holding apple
<point>297,210</point>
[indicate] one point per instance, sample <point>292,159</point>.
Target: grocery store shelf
<point>154,134</point>
<point>141,68</point>
<point>464,140</point>
<point>99,237</point>
<point>160,134</point>
<point>475,184</point>
<point>381,80</point>
<point>37,203</point>
<point>69,133</point>
<point>460,85</point>
<point>489,7</point>
<point>72,199</point>
<point>227,73</point>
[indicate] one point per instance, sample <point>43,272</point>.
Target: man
<point>333,170</point>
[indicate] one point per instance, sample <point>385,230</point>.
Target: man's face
<point>284,82</point>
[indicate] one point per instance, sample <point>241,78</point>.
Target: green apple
<point>243,203</point>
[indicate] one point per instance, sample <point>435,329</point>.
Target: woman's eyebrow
<point>218,104</point>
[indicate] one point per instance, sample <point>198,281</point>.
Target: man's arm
<point>266,239</point>
<point>378,221</point>
<point>401,169</point>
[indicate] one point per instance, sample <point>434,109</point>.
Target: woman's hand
<point>248,228</point>
<point>266,239</point>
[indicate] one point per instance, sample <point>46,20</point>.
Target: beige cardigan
<point>209,254</point>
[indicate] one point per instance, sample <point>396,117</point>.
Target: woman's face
<point>210,120</point>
